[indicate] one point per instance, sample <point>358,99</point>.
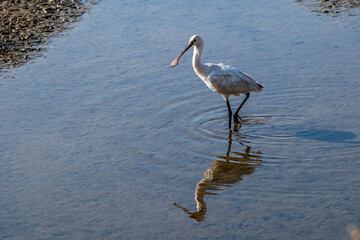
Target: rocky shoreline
<point>331,7</point>
<point>25,26</point>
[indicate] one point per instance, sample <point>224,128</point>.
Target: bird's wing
<point>229,80</point>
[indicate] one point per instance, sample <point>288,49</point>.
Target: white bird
<point>222,79</point>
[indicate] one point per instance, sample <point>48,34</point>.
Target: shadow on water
<point>330,7</point>
<point>328,136</point>
<point>27,25</point>
<point>223,173</point>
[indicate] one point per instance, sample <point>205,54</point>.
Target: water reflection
<point>331,7</point>
<point>354,232</point>
<point>223,173</point>
<point>27,25</point>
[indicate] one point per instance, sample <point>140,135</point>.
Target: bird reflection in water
<point>223,173</point>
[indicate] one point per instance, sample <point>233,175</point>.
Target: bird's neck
<point>199,68</point>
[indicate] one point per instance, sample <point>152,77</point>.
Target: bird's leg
<point>237,118</point>
<point>230,112</point>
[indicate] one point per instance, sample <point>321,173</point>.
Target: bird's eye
<point>194,40</point>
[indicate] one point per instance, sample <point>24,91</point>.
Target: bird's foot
<point>236,127</point>
<point>237,118</point>
<point>237,122</point>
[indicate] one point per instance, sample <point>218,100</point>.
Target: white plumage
<point>222,79</point>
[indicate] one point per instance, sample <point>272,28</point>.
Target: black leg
<point>230,113</point>
<point>237,118</point>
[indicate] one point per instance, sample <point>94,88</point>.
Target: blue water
<point>100,137</point>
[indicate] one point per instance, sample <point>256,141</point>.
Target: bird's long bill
<point>176,60</point>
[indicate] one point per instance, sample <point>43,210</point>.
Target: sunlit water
<point>102,139</point>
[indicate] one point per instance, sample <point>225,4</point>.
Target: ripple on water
<point>250,131</point>
<point>274,140</point>
<point>202,126</point>
<point>202,123</point>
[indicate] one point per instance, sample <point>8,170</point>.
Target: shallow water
<point>103,139</point>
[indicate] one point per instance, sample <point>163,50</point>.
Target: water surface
<point>103,139</point>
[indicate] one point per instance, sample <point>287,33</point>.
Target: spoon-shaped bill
<point>176,60</point>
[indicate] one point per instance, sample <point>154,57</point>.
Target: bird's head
<point>195,40</point>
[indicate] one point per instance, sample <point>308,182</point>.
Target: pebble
<point>332,7</point>
<point>25,25</point>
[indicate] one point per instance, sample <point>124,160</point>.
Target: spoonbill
<point>222,79</point>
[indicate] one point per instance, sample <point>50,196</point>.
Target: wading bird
<point>222,79</point>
